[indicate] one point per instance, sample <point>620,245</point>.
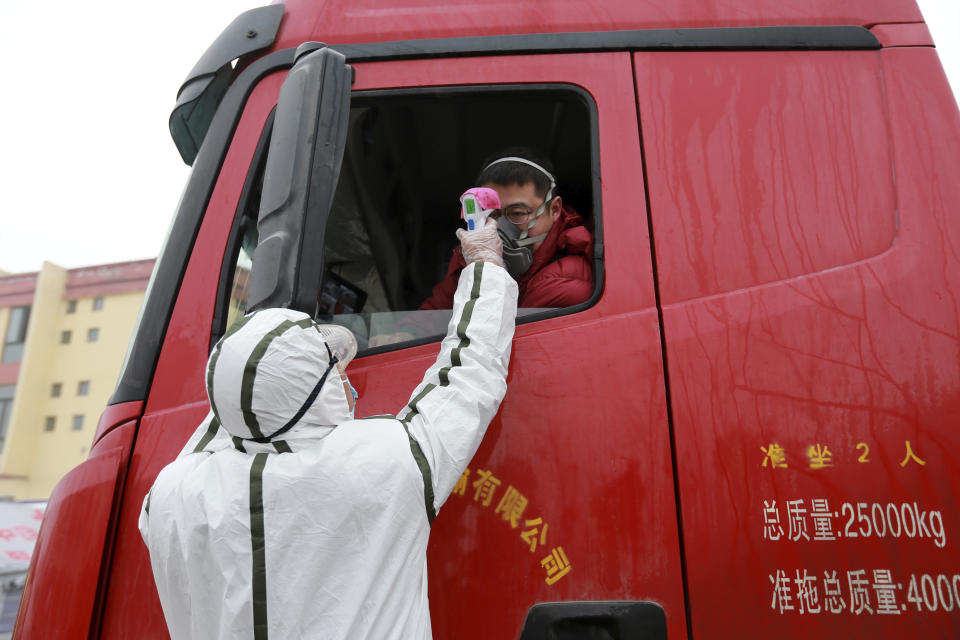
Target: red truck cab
<point>746,431</point>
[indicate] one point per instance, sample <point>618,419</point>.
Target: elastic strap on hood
<point>307,403</point>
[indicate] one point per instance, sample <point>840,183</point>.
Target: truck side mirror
<point>208,81</point>
<point>303,167</point>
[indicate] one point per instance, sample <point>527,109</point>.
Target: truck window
<point>391,231</point>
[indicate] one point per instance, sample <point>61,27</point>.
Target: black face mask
<point>517,253</point>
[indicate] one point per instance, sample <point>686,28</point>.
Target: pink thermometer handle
<point>476,204</point>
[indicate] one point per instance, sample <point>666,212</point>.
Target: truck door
<point>804,250</point>
<point>570,496</point>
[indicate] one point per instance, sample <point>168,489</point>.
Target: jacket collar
<point>568,234</point>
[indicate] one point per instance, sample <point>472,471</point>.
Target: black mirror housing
<point>303,167</point>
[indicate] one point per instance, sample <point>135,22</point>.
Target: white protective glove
<point>482,245</point>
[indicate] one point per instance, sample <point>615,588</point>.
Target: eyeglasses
<point>520,213</point>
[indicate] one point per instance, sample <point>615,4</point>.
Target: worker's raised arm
<point>449,411</point>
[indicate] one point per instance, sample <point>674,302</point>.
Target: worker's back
<point>343,553</point>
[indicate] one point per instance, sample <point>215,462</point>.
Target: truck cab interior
<point>408,157</point>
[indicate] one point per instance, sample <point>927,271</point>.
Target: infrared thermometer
<point>476,204</point>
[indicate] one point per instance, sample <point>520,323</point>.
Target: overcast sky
<point>88,172</point>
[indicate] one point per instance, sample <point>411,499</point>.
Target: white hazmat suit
<point>320,532</point>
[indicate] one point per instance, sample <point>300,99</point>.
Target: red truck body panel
<point>823,326</point>
<point>762,394</point>
<point>74,544</point>
<point>177,400</point>
<point>349,21</point>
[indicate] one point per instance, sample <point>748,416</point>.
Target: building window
<point>16,334</point>
<point>65,337</point>
<point>83,387</point>
<point>55,390</point>
<point>6,407</point>
<point>98,304</point>
<point>71,306</point>
<point>77,423</point>
<point>50,423</point>
<point>93,335</point>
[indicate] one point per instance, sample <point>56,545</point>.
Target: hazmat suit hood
<point>277,369</point>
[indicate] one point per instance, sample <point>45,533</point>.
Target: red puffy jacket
<point>560,275</point>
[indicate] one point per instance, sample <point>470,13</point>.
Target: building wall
<point>36,456</point>
<point>21,441</point>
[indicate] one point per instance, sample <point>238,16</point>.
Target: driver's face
<point>524,198</point>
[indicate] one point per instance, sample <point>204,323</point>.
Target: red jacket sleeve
<point>442,296</point>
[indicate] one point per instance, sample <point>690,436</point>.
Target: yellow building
<point>65,333</point>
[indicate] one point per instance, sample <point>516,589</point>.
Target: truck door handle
<point>615,620</point>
